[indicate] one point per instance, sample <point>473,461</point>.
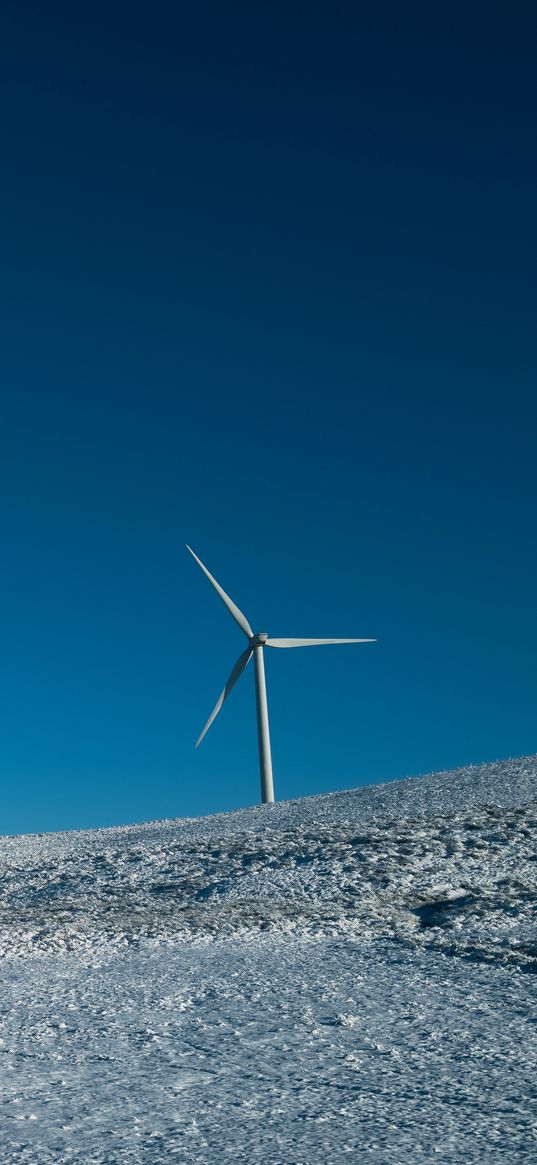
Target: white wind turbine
<point>256,643</point>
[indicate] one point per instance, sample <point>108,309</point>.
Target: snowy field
<point>337,977</point>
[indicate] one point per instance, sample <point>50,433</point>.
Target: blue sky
<point>268,288</point>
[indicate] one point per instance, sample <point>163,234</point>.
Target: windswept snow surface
<point>306,983</point>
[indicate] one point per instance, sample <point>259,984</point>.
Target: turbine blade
<point>240,665</point>
<point>311,642</point>
<point>231,606</point>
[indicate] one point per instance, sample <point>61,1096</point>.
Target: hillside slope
<point>338,975</point>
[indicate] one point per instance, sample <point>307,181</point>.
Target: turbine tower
<point>256,643</point>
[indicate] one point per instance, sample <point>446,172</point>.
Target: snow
<point>311,982</point>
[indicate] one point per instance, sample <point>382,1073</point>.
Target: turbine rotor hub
<point>259,639</point>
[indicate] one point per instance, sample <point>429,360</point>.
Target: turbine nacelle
<point>259,639</point>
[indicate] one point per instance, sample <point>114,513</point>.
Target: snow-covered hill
<point>340,975</point>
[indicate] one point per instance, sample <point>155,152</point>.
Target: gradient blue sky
<point>268,287</point>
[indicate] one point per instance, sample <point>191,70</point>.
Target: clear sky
<point>268,287</point>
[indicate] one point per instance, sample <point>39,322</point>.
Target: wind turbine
<point>256,642</point>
